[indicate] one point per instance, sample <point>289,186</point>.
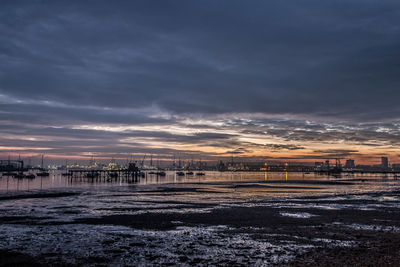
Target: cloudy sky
<point>285,80</point>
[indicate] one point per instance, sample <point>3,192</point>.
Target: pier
<point>130,174</point>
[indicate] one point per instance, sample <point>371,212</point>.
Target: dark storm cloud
<point>336,58</point>
<point>334,66</point>
<point>283,147</point>
<point>239,150</point>
<point>336,153</point>
<point>61,115</point>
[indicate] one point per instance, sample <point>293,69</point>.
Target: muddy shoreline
<point>359,229</point>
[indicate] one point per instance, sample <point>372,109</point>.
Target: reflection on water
<point>255,182</point>
<point>65,198</point>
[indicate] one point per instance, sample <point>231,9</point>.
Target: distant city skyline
<point>153,160</point>
<point>261,80</point>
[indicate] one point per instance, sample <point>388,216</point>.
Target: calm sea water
<point>243,181</point>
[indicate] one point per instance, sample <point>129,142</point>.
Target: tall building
<point>384,162</point>
<point>349,164</point>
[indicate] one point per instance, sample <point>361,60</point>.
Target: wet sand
<point>354,229</point>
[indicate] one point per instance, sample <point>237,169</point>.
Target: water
<point>91,197</point>
<point>9,184</point>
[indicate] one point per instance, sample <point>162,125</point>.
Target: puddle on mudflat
<point>379,228</point>
<point>334,242</point>
<point>300,215</point>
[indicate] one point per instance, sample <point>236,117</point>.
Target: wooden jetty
<point>130,174</point>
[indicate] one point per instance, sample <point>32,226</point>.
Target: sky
<point>258,80</point>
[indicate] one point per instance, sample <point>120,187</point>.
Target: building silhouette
<point>384,162</point>
<point>349,164</point>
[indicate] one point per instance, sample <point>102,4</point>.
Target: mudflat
<point>193,225</point>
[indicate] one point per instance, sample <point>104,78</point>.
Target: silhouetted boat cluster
<point>132,171</point>
<point>9,173</point>
<point>20,175</point>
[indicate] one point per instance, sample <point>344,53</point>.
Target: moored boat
<point>30,176</point>
<point>19,175</point>
<point>9,173</point>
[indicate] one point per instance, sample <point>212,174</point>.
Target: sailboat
<point>66,173</point>
<point>43,172</point>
